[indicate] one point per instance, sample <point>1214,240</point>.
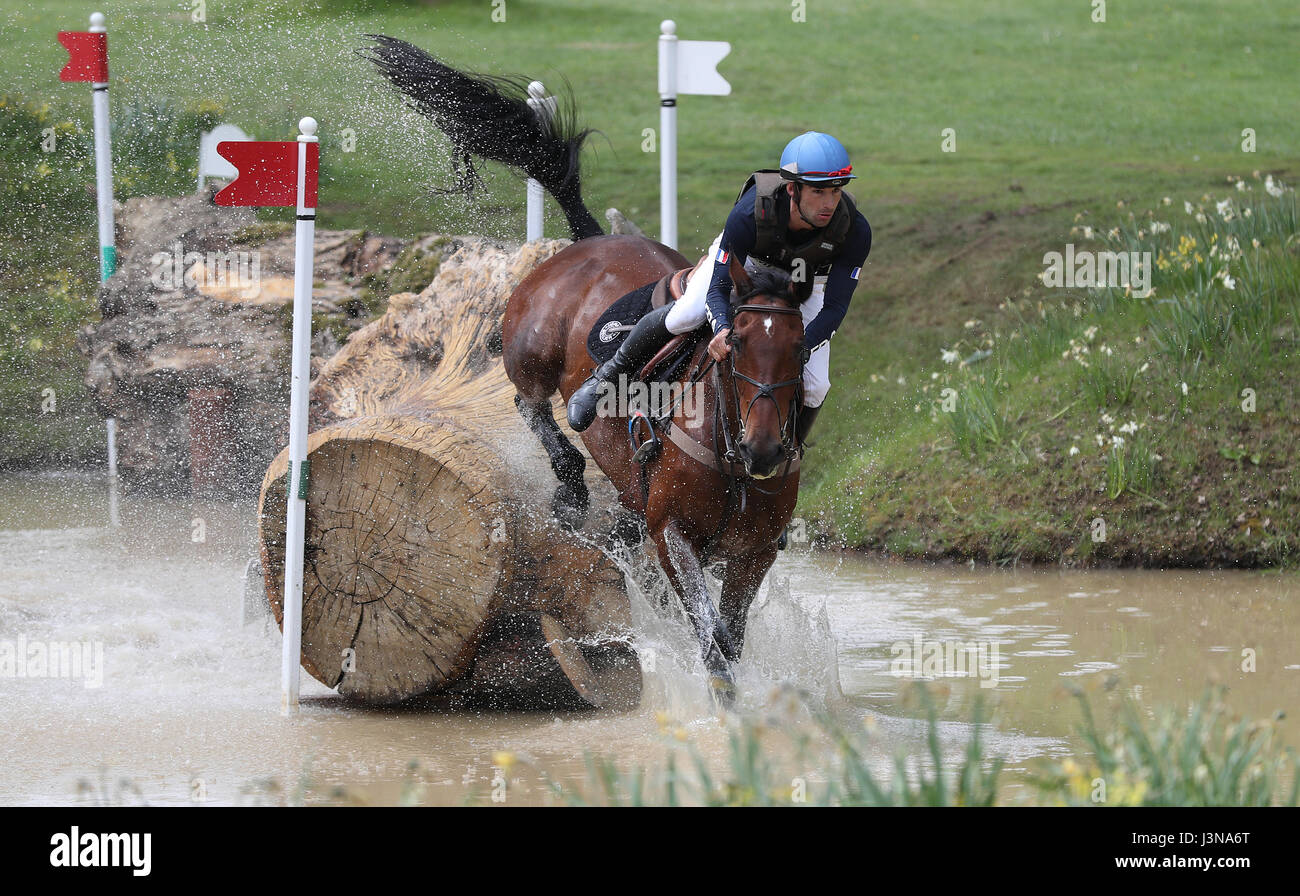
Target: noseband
<point>765,390</point>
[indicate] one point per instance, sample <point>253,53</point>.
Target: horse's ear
<point>801,288</point>
<point>739,276</point>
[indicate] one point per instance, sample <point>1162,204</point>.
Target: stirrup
<point>650,448</point>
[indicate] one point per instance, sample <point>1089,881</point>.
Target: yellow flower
<point>504,760</point>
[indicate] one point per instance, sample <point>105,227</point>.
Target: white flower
<point>1274,188</point>
<point>1247,213</point>
<point>1106,349</point>
<point>1090,333</point>
<point>1087,231</point>
<point>1200,218</point>
<point>1074,449</point>
<point>1187,207</point>
<point>1130,427</point>
<point>1254,241</point>
<point>1241,186</point>
<point>1228,281</point>
<point>1159,227</point>
<point>1166,201</point>
<point>1146,365</point>
<point>1107,419</point>
<point>1183,386</point>
<point>949,356</point>
<point>934,376</point>
<point>1101,440</point>
<point>1117,441</point>
<point>1223,208</point>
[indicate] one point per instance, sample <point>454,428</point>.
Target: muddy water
<point>177,698</point>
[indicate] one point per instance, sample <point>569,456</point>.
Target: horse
<point>723,487</point>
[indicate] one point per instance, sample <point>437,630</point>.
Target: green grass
<point>1167,410</point>
<point>1200,755</point>
<point>1058,122</point>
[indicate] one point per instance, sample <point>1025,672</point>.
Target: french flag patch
<point>722,256</point>
<point>854,273</point>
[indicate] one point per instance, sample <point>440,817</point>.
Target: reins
<point>726,452</point>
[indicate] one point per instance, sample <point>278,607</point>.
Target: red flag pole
<point>103,161</point>
<point>295,522</point>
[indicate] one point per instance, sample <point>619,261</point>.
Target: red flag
<point>268,173</point>
<point>87,56</point>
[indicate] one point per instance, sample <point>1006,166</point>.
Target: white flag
<point>697,67</point>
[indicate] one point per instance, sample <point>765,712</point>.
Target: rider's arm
<point>840,283</point>
<point>738,239</point>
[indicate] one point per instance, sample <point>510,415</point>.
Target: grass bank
<point>1150,425</point>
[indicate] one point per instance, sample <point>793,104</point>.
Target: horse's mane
<point>773,282</point>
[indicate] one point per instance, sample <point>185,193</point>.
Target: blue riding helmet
<point>816,158</point>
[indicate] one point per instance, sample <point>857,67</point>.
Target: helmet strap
<point>798,207</point>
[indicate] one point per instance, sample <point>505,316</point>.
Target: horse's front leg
<point>682,566</point>
<point>739,585</point>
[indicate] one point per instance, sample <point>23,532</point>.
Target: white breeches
<point>691,310</point>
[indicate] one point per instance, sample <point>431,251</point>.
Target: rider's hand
<point>719,348</point>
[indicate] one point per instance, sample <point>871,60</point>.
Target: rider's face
<point>816,203</point>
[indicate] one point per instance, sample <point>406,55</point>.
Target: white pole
<point>114,518</point>
<point>111,424</point>
<point>295,522</point>
<point>543,107</point>
<point>668,133</point>
<point>103,166</point>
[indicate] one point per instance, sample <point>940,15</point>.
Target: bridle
<point>765,390</point>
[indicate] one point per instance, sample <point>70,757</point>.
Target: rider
<point>798,219</point>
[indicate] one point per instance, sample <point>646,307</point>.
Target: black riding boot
<point>805,424</point>
<point>647,337</point>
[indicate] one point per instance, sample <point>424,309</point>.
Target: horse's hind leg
<point>571,499</point>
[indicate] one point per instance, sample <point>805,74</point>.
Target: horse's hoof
<point>569,505</point>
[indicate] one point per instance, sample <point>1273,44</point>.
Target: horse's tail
<point>489,116</point>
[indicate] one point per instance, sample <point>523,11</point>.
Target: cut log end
<point>400,566</point>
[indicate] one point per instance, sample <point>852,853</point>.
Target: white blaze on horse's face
<point>767,325</point>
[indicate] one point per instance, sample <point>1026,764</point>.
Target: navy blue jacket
<point>738,239</point>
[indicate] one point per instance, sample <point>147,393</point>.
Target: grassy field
<point>1059,123</point>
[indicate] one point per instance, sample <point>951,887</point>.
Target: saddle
<point>612,327</point>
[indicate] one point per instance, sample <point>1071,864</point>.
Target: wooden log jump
<point>432,565</point>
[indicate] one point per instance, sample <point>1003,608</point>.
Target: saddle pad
<point>612,327</point>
